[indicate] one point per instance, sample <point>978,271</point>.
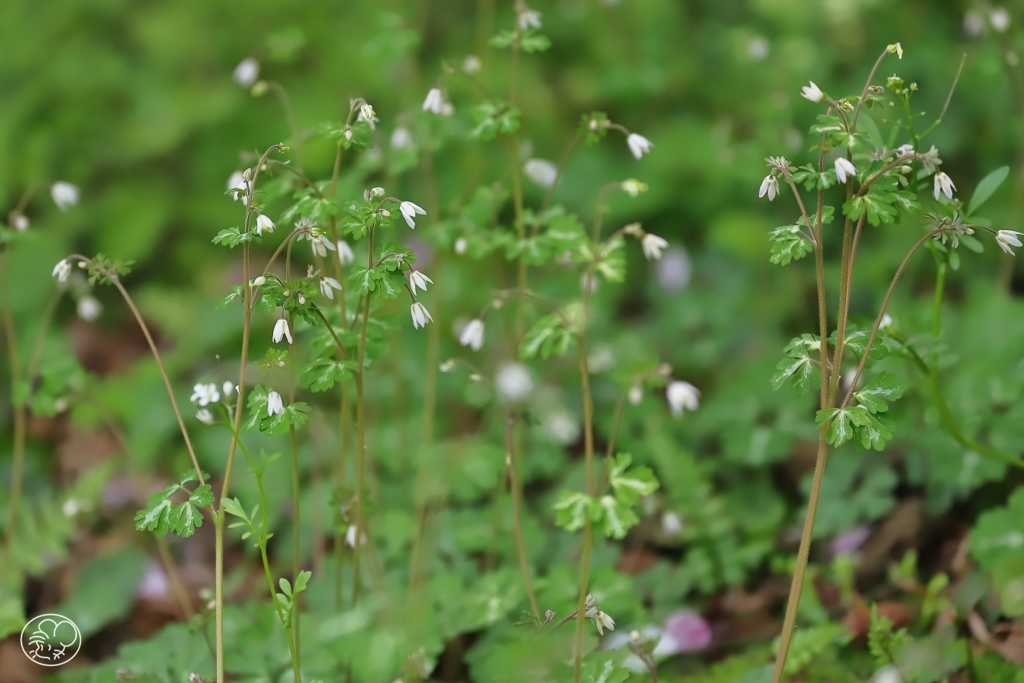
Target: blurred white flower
<point>843,169</point>
<point>400,138</point>
<point>420,315</point>
<point>904,151</point>
<point>434,103</point>
<point>896,49</point>
<point>999,18</point>
<point>562,427</point>
<point>204,416</point>
<point>64,194</point>
<point>638,144</point>
<point>328,285</point>
<point>205,394</point>
<point>281,331</point>
<point>529,19</point>
<point>541,171</point>
<point>263,223</point>
<point>633,187</point>
<point>671,523</point>
<point>246,73</point>
<point>652,246</point>
<point>89,308</point>
<point>635,395</point>
<point>886,321</point>
<point>20,223</point>
<point>513,382</point>
<point>473,334</point>
<point>418,279</point>
<point>238,186</point>
<point>460,246</point>
<point>812,92</point>
<point>409,212</point>
<point>974,23</point>
<point>367,114</point>
<point>674,269</point>
<point>471,65</point>
<point>758,48</point>
<point>259,281</point>
<point>275,404</point>
<point>345,254</point>
<point>350,537</point>
<point>62,270</point>
<point>1006,239</point>
<point>682,396</point>
<point>769,186</point>
<point>943,185</point>
<point>887,674</point>
<point>228,388</point>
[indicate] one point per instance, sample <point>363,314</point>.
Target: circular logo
<point>51,640</point>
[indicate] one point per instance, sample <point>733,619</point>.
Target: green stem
<point>18,447</point>
<point>360,451</point>
<point>515,486</point>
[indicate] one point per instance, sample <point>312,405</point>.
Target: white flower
<point>350,537</point>
<point>999,18</point>
<point>62,270</point>
<point>562,427</point>
<point>460,246</point>
<point>345,254</point>
<point>204,416</point>
<point>420,315</point>
<point>409,211</point>
<point>434,103</point>
<point>246,73</point>
<point>259,281</point>
<point>652,246</point>
<point>633,187</point>
<point>238,186</point>
<point>228,388</point>
<point>20,223</point>
<point>635,395</point>
<point>886,321</point>
<point>812,92</point>
<point>321,244</point>
<point>328,285</point>
<point>973,23</point>
<point>275,404</point>
<point>367,114</point>
<point>473,334</point>
<point>513,382</point>
<point>843,169</point>
<point>541,171</point>
<point>1007,239</point>
<point>400,139</point>
<point>887,674</point>
<point>943,185</point>
<point>281,331</point>
<point>758,48</point>
<point>529,19</point>
<point>769,186</point>
<point>89,308</point>
<point>638,144</point>
<point>671,523</point>
<point>418,279</point>
<point>904,150</point>
<point>895,48</point>
<point>70,508</point>
<point>471,65</point>
<point>204,394</point>
<point>603,621</point>
<point>263,223</point>
<point>682,396</point>
<point>64,194</point>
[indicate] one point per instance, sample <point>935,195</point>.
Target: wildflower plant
<point>879,183</point>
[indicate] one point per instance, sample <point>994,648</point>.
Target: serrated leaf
<point>615,517</point>
<point>879,391</point>
<point>322,373</point>
<point>185,519</point>
<point>574,509</point>
<point>202,496</point>
<point>630,483</point>
<point>798,367</point>
<point>788,244</point>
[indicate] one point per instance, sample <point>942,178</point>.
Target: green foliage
<point>161,514</point>
<point>996,542</point>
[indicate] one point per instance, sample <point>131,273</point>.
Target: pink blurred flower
<point>685,631</point>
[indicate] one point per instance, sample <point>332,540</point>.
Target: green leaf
<point>630,483</point>
<point>294,414</point>
<point>615,517</point>
<point>530,41</point>
<point>999,533</point>
<point>186,518</point>
<point>156,516</point>
<point>301,580</point>
<point>788,244</point>
<point>798,367</point>
<point>879,391</point>
<point>202,496</point>
<point>232,237</point>
<point>876,204</point>
<point>573,510</point>
<point>986,188</point>
<point>551,334</point>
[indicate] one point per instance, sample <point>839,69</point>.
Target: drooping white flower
<point>812,92</point>
<point>89,308</point>
<point>460,246</point>
<point>281,331</point>
<point>275,404</point>
<point>1007,239</point>
<point>263,223</point>
<point>204,416</point>
<point>345,254</point>
<point>409,212</point>
<point>434,103</point>
<point>367,114</point>
<point>328,285</point>
<point>652,246</point>
<point>603,621</point>
<point>682,396</point>
<point>943,185</point>
<point>62,270</point>
<point>635,395</point>
<point>64,194</point>
<point>999,18</point>
<point>638,144</point>
<point>896,49</point>
<point>350,537</point>
<point>471,65</point>
<point>205,394</point>
<point>769,186</point>
<point>239,187</point>
<point>473,334</point>
<point>633,187</point>
<point>844,169</point>
<point>541,171</point>
<point>321,244</point>
<point>529,19</point>
<point>246,73</point>
<point>228,388</point>
<point>19,222</point>
<point>513,382</point>
<point>904,150</point>
<point>418,279</point>
<point>420,315</point>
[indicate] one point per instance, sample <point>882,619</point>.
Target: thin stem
<point>296,505</point>
<point>940,286</point>
<point>864,92</point>
<point>289,114</point>
<point>581,603</point>
<point>515,486</point>
<point>360,450</point>
<point>18,447</point>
